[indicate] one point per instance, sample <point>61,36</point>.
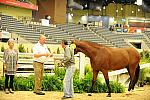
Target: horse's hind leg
<point>132,69</point>
<point>95,73</point>
<point>129,88</point>
<point>136,76</point>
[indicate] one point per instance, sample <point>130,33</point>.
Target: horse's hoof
<point>109,95</point>
<point>90,94</point>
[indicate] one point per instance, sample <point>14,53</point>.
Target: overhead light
<point>139,2</point>
<point>116,10</point>
<point>86,6</point>
<point>73,4</point>
<point>138,9</point>
<point>98,8</point>
<point>132,12</point>
<point>121,8</point>
<point>104,7</point>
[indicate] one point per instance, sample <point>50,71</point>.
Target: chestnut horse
<point>104,58</point>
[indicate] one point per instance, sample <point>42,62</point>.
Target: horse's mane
<point>93,44</point>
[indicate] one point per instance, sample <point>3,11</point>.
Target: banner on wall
<point>19,4</point>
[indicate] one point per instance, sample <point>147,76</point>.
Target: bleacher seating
<point>118,39</point>
<point>31,32</point>
<point>80,33</point>
<point>113,38</point>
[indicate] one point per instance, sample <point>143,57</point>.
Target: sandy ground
<point>140,93</point>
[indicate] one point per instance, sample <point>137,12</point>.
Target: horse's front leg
<point>95,73</point>
<point>105,73</point>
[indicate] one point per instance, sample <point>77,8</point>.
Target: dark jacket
<point>68,57</point>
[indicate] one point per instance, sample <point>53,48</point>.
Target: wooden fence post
<point>81,65</point>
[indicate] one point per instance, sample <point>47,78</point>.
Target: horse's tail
<point>137,72</point>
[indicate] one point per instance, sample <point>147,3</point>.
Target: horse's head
<point>76,49</point>
<point>85,47</point>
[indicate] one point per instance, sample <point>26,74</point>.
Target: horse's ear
<point>76,40</point>
<point>73,41</point>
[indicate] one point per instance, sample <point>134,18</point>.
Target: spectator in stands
<point>41,53</point>
<point>48,18</point>
<point>10,65</point>
<point>111,28</point>
<point>79,23</point>
<point>69,62</point>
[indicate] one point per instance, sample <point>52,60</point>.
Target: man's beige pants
<point>38,76</point>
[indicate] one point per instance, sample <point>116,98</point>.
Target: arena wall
<point>15,11</point>
<point>110,10</point>
<point>54,8</point>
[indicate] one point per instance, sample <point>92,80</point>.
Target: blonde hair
<point>11,40</point>
<point>42,36</point>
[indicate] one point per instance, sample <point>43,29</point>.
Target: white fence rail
<point>26,60</point>
<point>26,64</point>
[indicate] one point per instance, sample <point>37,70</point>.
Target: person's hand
<point>5,67</point>
<point>51,55</point>
<point>47,54</point>
<point>17,66</point>
<point>60,64</point>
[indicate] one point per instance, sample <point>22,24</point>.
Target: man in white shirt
<point>41,53</point>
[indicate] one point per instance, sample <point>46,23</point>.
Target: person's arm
<point>37,55</point>
<point>17,60</point>
<point>40,55</point>
<point>67,55</point>
<point>4,60</point>
<point>50,54</point>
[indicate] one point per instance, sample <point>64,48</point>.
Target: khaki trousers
<point>38,76</point>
